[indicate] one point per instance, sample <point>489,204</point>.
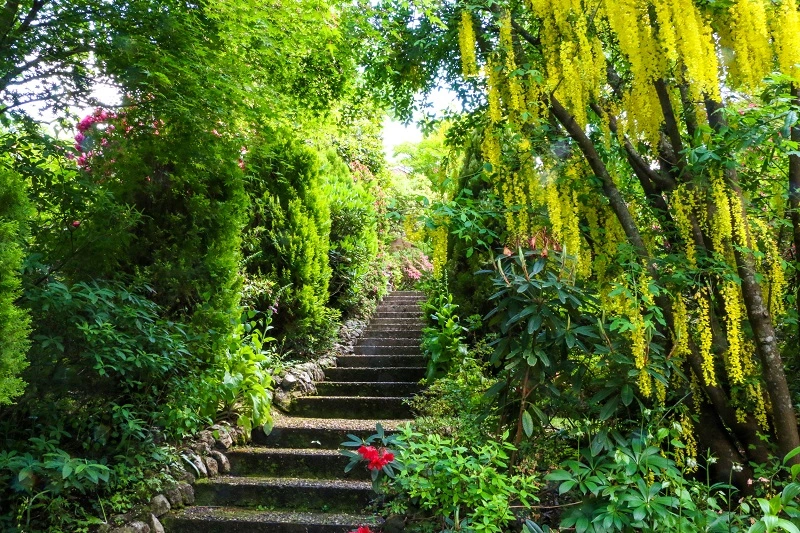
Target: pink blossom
<point>79,137</point>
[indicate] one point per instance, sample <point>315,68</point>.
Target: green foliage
<point>443,341</point>
<point>246,386</point>
<point>634,484</point>
<point>466,488</point>
<point>454,405</point>
<point>287,239</point>
<point>14,321</point>
<point>353,250</point>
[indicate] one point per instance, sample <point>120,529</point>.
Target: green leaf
<point>527,423</point>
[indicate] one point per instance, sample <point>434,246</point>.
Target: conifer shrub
<point>189,207</point>
<point>356,276</point>
<point>14,321</point>
<point>288,238</point>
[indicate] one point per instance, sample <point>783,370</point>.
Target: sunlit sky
<point>395,132</point>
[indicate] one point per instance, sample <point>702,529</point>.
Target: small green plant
<point>245,389</point>
<point>442,341</point>
<point>466,489</point>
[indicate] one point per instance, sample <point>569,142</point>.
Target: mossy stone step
<point>402,339</point>
<point>236,520</point>
<point>410,322</point>
<point>351,406</point>
<point>376,360</point>
<point>368,388</point>
<point>375,374</point>
<point>391,313</point>
<point>308,463</point>
<point>325,495</point>
<point>296,432</point>
<point>411,348</point>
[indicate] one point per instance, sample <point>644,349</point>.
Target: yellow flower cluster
<point>466,44</point>
<point>686,457</point>
<point>575,65</point>
<point>493,81</point>
<point>639,349</point>
<point>412,233</point>
<point>681,332</point>
<point>703,330</point>
<point>731,295</point>
<point>722,227</point>
<point>775,284</point>
<point>516,93</point>
<point>439,239</point>
<point>749,40</point>
<point>683,203</point>
<point>695,46</point>
<point>785,27</point>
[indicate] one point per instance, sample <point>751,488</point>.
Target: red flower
<point>388,457</point>
<point>76,223</point>
<point>362,529</point>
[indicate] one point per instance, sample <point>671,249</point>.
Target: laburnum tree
<point>660,139</point>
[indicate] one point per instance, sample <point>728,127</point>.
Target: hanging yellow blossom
<point>466,44</point>
<point>703,329</point>
<point>785,26</point>
<point>733,318</point>
<point>439,238</point>
<point>750,40</point>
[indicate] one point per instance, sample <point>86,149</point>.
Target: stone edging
<point>203,456</point>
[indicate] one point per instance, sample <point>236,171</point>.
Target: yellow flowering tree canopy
<point>661,138</point>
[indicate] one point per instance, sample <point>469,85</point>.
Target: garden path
<point>293,480</point>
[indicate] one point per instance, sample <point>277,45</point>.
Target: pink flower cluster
<point>377,458</point>
<point>99,116</point>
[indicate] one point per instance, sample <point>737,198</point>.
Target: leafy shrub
<point>14,321</point>
<point>287,238</point>
<point>245,386</point>
<point>353,238</point>
<point>454,405</point>
<point>465,488</point>
<point>442,341</point>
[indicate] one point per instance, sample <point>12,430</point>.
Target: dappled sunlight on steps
<point>293,480</point>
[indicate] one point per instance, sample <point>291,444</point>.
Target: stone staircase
<point>293,480</point>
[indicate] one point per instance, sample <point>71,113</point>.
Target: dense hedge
<point>14,321</point>
<point>354,237</point>
<point>288,235</point>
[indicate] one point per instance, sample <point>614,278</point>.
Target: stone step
<point>308,463</point>
<point>375,374</point>
<point>367,388</point>
<point>416,314</point>
<point>391,407</point>
<point>401,300</point>
<point>323,433</point>
<point>397,338</point>
<point>378,323</point>
<point>329,495</point>
<point>412,348</point>
<point>393,331</point>
<point>375,360</point>
<point>399,308</point>
<point>236,520</point>
<point>420,294</point>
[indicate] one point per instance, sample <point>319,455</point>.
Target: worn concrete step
<point>376,360</point>
<point>329,495</point>
<point>396,338</point>
<point>411,322</point>
<point>411,348</point>
<point>392,407</point>
<point>419,294</point>
<point>401,300</point>
<point>375,374</point>
<point>367,388</point>
<point>236,520</point>
<point>308,463</point>
<point>393,330</point>
<point>399,307</point>
<point>324,433</point>
<point>393,313</point>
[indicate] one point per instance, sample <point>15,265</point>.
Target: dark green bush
<point>287,239</point>
<point>14,321</point>
<point>356,274</point>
